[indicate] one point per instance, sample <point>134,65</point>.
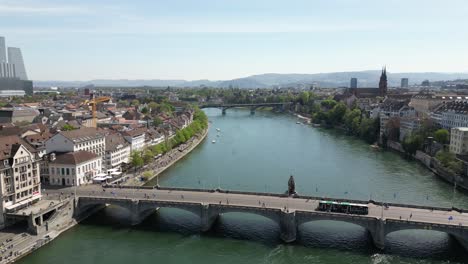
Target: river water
<point>258,153</point>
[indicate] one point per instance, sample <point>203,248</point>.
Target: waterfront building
<point>136,138</point>
<point>451,114</point>
<point>409,125</point>
<point>73,168</point>
<point>19,175</point>
<point>392,108</point>
<point>353,84</point>
<point>424,104</point>
<point>85,138</point>
<point>459,140</point>
<point>404,83</point>
<point>117,151</point>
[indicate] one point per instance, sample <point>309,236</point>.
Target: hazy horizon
<point>80,40</point>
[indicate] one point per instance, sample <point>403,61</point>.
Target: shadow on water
<point>316,235</point>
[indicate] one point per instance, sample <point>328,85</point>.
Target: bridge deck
<point>271,202</point>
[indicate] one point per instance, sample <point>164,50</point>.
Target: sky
<point>226,39</point>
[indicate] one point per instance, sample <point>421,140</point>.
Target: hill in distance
<point>268,80</point>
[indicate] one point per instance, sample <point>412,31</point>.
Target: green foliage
<point>449,160</point>
<point>144,110</point>
<point>146,175</point>
<point>148,156</point>
<point>157,121</point>
<point>442,136</point>
<point>135,159</point>
<point>337,113</point>
<point>135,102</point>
<point>328,104</point>
<point>412,143</point>
<point>68,127</point>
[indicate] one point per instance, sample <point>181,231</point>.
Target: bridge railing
<point>379,203</point>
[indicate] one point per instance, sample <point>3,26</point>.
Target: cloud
<point>31,9</point>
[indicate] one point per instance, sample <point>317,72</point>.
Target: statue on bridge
<point>291,186</point>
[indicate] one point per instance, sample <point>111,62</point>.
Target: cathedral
<point>372,92</point>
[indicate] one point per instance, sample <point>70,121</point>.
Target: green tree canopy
<point>136,160</point>
<point>442,136</point>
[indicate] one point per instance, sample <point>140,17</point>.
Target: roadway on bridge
<point>259,201</point>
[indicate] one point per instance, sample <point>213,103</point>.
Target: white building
<point>136,138</point>
<point>74,168</point>
<point>459,140</point>
<point>451,114</point>
<point>117,151</point>
<point>19,175</point>
<point>86,139</point>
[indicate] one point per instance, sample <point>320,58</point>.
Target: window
<point>63,171</point>
<point>68,171</point>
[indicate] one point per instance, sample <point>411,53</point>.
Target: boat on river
<point>213,141</point>
<point>217,129</point>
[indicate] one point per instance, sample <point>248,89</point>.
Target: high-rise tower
<point>3,57</point>
<point>15,57</point>
<point>383,82</point>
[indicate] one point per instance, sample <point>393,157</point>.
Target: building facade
<point>404,83</point>
<point>86,139</point>
<point>136,138</point>
<point>16,58</point>
<point>74,168</point>
<point>117,151</point>
<point>459,140</point>
<point>353,84</point>
<point>19,175</point>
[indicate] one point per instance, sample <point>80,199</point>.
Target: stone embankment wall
<point>433,164</point>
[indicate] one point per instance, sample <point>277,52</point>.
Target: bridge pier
<point>137,214</point>
<point>377,231</point>
<point>288,226</point>
<point>208,217</point>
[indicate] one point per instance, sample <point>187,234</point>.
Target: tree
<point>157,121</point>
<point>135,102</point>
<point>136,160</point>
<point>393,128</point>
<point>148,156</point>
<point>304,97</point>
<point>337,113</point>
<point>411,144</point>
<point>68,127</point>
<point>442,136</point>
<point>329,104</point>
<point>144,110</point>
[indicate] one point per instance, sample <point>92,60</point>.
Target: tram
<point>343,207</point>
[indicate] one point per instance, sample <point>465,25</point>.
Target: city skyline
<point>204,40</point>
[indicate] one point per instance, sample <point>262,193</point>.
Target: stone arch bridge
<point>288,212</point>
<point>254,106</point>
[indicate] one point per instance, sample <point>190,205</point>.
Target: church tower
<point>383,82</point>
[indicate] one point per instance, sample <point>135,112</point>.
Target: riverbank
<point>169,159</point>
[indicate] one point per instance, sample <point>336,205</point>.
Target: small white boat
<point>213,141</point>
<point>298,122</point>
<point>218,129</point>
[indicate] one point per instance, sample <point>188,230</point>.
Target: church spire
<point>383,81</point>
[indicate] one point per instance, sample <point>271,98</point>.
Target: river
<point>258,153</point>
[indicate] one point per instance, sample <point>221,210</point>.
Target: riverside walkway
<point>288,212</point>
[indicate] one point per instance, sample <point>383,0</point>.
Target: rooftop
<point>74,158</point>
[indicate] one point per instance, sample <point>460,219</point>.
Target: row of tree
<point>200,123</point>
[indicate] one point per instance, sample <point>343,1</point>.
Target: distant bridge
<point>253,107</point>
<point>288,212</point>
